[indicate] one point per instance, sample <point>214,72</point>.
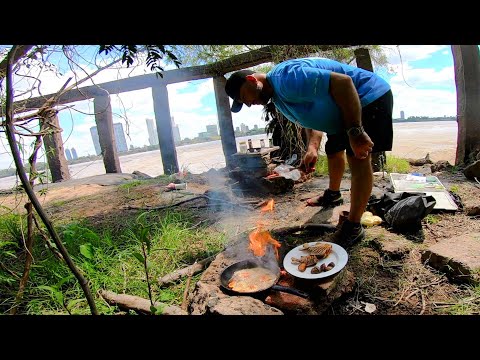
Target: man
<point>353,106</point>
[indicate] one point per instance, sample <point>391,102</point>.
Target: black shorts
<point>377,122</point>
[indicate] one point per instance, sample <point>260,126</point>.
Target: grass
<point>109,261</point>
<point>129,185</point>
<point>393,164</point>
<point>321,166</point>
<point>454,189</point>
<point>397,165</point>
<point>431,219</point>
<point>468,305</point>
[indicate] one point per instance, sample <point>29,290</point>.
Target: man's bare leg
<point>336,167</point>
<point>361,189</point>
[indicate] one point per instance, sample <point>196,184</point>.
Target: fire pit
<point>211,296</point>
<point>251,169</point>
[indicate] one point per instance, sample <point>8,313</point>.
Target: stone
<point>458,257</point>
<point>472,171</point>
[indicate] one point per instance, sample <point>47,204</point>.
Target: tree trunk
<point>466,60</point>
<point>364,61</point>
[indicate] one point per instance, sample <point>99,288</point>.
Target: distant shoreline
<point>409,142</point>
<point>423,120</point>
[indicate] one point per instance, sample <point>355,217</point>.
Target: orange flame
<point>268,206</point>
<point>259,239</point>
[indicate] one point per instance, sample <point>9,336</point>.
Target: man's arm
<point>346,97</point>
<point>314,139</point>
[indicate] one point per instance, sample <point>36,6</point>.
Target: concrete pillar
<point>106,137</point>
<point>164,129</point>
<point>224,114</point>
<point>364,61</point>
<point>466,61</point>
<point>54,148</point>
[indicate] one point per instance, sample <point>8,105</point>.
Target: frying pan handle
<point>290,291</point>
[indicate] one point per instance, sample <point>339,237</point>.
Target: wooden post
<point>364,61</point>
<point>227,133</point>
<point>466,61</point>
<point>54,148</point>
<point>106,137</point>
<point>164,129</point>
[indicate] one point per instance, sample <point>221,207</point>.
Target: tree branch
<point>28,188</point>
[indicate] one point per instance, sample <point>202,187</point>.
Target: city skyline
<point>423,85</point>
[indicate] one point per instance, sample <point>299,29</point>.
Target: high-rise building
<point>212,130</point>
<point>74,154</point>
<point>68,154</point>
<point>255,127</point>
<point>152,132</point>
<point>237,129</point>
<point>402,115</point>
<point>120,141</point>
<point>243,128</point>
<point>175,131</point>
<point>176,134</point>
<point>96,141</point>
<point>120,137</point>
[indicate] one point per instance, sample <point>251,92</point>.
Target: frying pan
<point>228,273</point>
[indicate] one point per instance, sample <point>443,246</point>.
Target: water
<point>411,140</point>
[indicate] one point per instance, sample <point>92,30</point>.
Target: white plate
<point>338,255</point>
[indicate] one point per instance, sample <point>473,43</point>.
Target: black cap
<point>232,87</point>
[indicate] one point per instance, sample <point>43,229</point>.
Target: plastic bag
<point>288,172</point>
<point>407,214</point>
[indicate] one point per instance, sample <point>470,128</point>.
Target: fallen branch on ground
<point>307,227</point>
<point>185,293</point>
<point>128,207</point>
<point>138,304</point>
<point>186,271</point>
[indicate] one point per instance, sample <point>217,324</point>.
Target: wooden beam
<point>236,62</point>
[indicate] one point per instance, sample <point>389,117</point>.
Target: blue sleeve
<point>301,83</point>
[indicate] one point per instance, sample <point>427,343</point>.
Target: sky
<point>421,77</point>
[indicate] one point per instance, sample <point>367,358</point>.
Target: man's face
<point>252,93</point>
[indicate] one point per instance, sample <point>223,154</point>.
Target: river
<point>411,140</point>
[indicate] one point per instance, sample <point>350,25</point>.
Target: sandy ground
<point>411,140</point>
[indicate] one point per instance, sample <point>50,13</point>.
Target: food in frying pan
<point>321,250</point>
<point>251,280</point>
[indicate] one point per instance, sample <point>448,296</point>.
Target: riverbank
<point>411,140</point>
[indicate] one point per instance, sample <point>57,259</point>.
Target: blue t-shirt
<point>300,91</point>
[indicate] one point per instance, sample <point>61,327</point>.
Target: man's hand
<point>361,145</point>
<point>310,159</point>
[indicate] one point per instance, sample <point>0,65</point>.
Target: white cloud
<point>421,91</point>
<point>405,53</point>
<point>410,87</point>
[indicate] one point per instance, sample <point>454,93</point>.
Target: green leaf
<point>139,256</point>
<point>158,309</point>
<point>74,302</point>
<point>54,293</point>
<point>58,296</point>
<point>63,281</point>
<point>87,250</point>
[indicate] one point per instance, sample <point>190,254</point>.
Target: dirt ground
<point>396,282</point>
